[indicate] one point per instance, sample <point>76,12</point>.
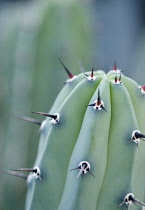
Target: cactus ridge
<point>112,155</point>
<point>81,86</point>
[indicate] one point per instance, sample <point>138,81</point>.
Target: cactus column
<point>96,133</point>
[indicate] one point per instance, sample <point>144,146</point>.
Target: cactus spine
<point>101,117</point>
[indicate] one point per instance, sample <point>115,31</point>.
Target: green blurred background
<point>32,35</point>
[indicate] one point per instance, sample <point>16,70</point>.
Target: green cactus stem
<point>89,159</point>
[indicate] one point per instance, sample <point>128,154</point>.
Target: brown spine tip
<point>115,66</point>
<point>70,75</point>
<point>92,73</point>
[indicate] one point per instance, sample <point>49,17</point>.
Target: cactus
<point>90,155</point>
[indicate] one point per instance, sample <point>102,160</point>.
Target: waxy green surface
<point>99,137</point>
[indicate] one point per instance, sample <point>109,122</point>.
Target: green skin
<point>99,137</point>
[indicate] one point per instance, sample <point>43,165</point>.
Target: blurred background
<point>33,34</point>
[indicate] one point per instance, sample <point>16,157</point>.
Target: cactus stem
<point>91,77</point>
<point>28,119</point>
<point>55,117</point>
<point>142,89</point>
<point>129,199</point>
<point>70,75</point>
<point>84,167</point>
<point>98,104</point>
<point>136,136</point>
